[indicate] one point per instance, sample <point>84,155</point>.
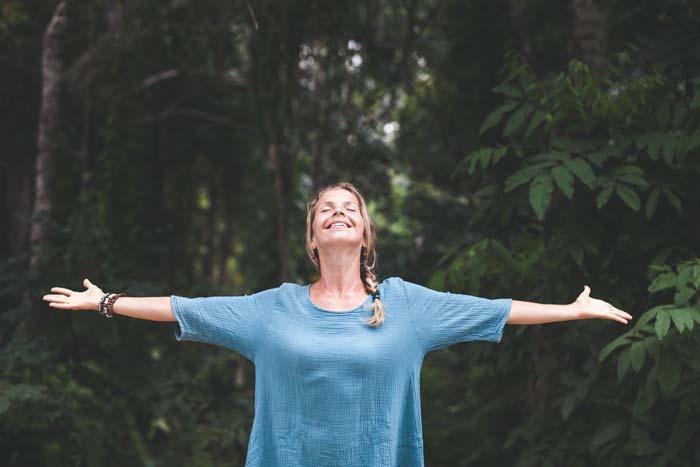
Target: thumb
<point>87,283</point>
<point>586,291</point>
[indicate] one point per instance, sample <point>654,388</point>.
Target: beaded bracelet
<point>107,302</point>
<point>110,303</point>
<point>103,300</point>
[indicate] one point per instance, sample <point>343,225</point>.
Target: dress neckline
<point>306,292</point>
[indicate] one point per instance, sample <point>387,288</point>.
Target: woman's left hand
<point>594,308</point>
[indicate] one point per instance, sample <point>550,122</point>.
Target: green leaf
<point>663,323</point>
<point>652,202</point>
<point>678,318</point>
<point>623,364</point>
<point>646,396</point>
<point>517,119</point>
<point>669,376</point>
<point>607,434</point>
<point>570,403</point>
<point>524,175</point>
<point>673,199</point>
<point>540,195</point>
<point>637,355</point>
<point>508,90</point>
<point>648,315</point>
<point>564,180</point>
<point>603,196</point>
<point>633,180</point>
<point>498,154</point>
<point>663,281</point>
<point>611,346</point>
<point>494,117</point>
<point>683,295</point>
<point>668,149</point>
<point>629,196</point>
<point>689,321</point>
<point>582,170</point>
<point>535,121</point>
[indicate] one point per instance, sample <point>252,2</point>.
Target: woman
<point>338,361</point>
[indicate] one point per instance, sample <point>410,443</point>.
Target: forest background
<point>507,149</point>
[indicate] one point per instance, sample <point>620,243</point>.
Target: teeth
<point>338,223</point>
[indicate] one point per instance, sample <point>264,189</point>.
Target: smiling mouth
<point>338,225</point>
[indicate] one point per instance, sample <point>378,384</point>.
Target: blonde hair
<point>368,255</point>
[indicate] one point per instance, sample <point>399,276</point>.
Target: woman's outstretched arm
<point>584,307</point>
<point>150,308</point>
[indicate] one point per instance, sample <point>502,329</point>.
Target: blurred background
<point>506,148</point>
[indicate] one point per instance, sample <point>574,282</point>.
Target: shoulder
<point>393,286</point>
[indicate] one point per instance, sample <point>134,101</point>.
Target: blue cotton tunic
<point>329,389</point>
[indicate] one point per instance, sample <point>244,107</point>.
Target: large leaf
<point>537,118</point>
<point>611,346</point>
<point>628,195</point>
<point>663,323</point>
<point>623,364</point>
<point>517,119</point>
<point>564,179</point>
<point>582,170</point>
<point>602,197</point>
<point>669,375</point>
<point>637,355</point>
<point>673,199</point>
<point>607,434</point>
<point>678,318</point>
<point>652,201</point>
<point>663,281</point>
<point>525,175</point>
<point>495,117</point>
<point>540,194</point>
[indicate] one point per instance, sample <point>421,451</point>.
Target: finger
<point>87,283</point>
<point>62,306</point>
<point>617,318</point>
<point>624,314</point>
<point>62,290</point>
<point>54,298</point>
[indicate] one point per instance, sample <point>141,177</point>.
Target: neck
<point>340,274</point>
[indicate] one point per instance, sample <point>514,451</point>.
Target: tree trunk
<point>52,69</point>
<point>590,33</point>
<point>277,167</point>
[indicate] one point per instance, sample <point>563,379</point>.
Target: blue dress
<point>329,389</point>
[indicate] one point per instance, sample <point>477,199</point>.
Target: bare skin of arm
<point>148,308</point>
<point>585,307</point>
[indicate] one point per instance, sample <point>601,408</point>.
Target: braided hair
<point>368,254</point>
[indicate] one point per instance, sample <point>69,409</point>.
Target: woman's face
<point>338,206</point>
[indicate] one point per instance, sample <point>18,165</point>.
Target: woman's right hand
<point>67,299</point>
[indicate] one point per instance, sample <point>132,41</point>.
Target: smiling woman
<point>338,361</point>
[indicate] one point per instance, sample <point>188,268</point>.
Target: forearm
<point>539,313</point>
<point>150,308</point>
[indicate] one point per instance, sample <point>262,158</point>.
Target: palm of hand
<point>71,300</point>
<point>595,308</point>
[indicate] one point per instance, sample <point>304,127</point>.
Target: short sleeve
<point>234,322</point>
<point>444,318</point>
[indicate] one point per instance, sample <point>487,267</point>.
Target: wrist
<point>576,310</point>
<point>101,301</point>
